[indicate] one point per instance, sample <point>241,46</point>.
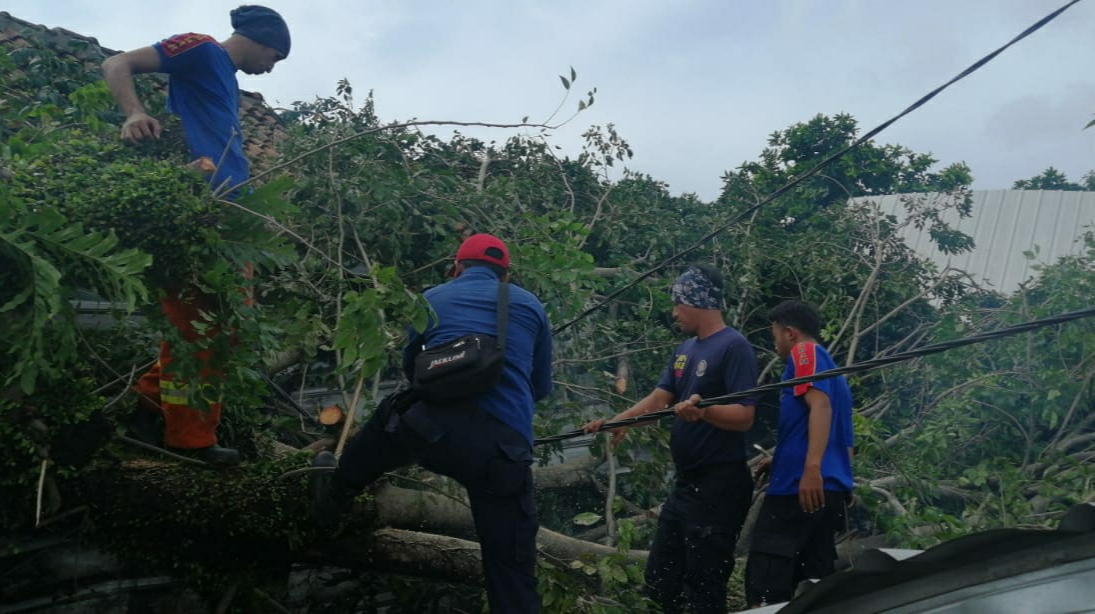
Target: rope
<point>868,365</point>
<point>816,169</point>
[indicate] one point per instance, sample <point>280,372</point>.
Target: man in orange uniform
<point>204,93</point>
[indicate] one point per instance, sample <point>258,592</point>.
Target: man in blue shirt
<point>202,88</point>
<point>693,551</point>
<point>485,443</point>
<point>811,470</point>
<point>204,93</point>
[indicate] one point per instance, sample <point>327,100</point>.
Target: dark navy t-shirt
<point>719,364</point>
<point>794,418</point>
<point>204,93</point>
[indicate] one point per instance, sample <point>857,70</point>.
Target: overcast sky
<point>695,86</point>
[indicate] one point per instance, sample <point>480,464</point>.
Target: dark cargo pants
<point>693,551</point>
<point>487,457</point>
<point>790,545</point>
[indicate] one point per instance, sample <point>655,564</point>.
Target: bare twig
<point>65,514</point>
<point>283,228</point>
<point>892,500</point>
<point>610,496</point>
<point>270,600</point>
<point>125,389</point>
<point>1071,410</point>
<point>426,266</point>
<point>658,347</point>
<point>41,489</point>
<point>481,182</point>
<point>591,393</point>
<point>364,133</point>
<point>304,470</point>
<point>896,310</point>
<point>571,200</point>
<point>352,409</point>
<point>144,367</point>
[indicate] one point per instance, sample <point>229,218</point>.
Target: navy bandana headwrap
<point>693,288</point>
<point>262,25</point>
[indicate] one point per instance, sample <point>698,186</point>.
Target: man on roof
<point>204,93</point>
<point>202,88</point>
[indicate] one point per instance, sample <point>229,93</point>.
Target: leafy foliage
<point>1053,179</point>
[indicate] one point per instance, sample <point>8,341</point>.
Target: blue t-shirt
<point>719,364</point>
<point>204,93</point>
<point>468,305</point>
<point>794,418</point>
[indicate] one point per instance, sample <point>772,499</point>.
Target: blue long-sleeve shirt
<point>468,305</point>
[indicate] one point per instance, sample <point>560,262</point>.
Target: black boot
<point>329,502</point>
<point>216,455</point>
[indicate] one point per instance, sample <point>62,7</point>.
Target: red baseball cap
<point>483,247</point>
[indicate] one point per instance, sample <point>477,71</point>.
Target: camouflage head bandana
<point>692,288</point>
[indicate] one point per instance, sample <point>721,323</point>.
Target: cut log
<point>331,415</point>
<point>623,372</point>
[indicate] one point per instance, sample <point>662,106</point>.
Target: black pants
<point>490,459</point>
<point>693,552</point>
<point>790,545</point>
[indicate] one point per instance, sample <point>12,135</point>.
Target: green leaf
<point>566,84</point>
<point>268,198</point>
<point>586,519</point>
<point>48,255</point>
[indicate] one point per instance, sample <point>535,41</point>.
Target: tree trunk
<point>249,514</point>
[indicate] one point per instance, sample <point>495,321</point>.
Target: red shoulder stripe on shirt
<point>805,357</point>
<point>184,42</point>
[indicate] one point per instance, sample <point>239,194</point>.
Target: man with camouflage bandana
<point>693,551</point>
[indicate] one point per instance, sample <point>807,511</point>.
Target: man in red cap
<point>204,93</point>
<point>484,443</point>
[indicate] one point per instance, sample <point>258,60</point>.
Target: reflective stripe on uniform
<point>174,393</point>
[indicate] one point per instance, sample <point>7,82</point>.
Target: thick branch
<point>566,475</point>
<point>427,511</point>
<point>411,553</point>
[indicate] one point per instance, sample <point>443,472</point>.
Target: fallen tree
<point>211,515</point>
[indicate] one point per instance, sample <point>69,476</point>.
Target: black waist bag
<point>464,367</point>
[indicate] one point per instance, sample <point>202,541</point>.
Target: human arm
<point>730,417</point>
<point>660,398</point>
<point>118,73</point>
<point>811,488</point>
